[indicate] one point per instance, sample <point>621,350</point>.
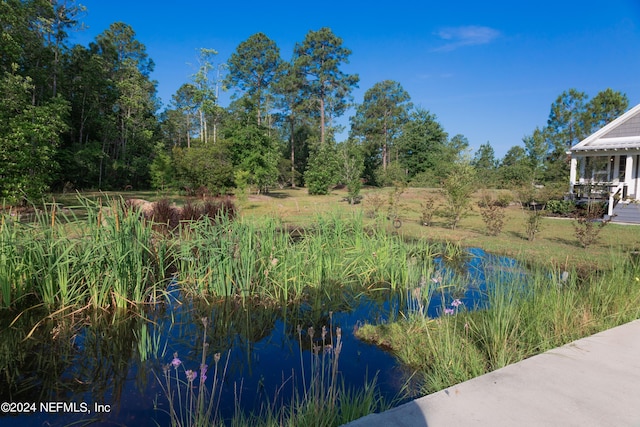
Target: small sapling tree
<point>589,225</point>
<point>457,190</point>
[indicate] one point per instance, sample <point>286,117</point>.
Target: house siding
<point>629,128</point>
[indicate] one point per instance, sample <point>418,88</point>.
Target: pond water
<point>119,362</point>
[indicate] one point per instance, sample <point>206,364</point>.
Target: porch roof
<point>622,134</point>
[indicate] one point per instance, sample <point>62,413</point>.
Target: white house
<point>607,161</point>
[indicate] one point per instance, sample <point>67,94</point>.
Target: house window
<point>622,167</point>
<point>596,168</point>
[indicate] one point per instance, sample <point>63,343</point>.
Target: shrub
<point>393,174</point>
<point>321,171</point>
<point>393,210</point>
<point>207,166</point>
<point>373,204</point>
<point>588,226</point>
<point>190,212</point>
<point>166,214</point>
<point>457,190</point>
<point>493,217</point>
<point>504,199</point>
<point>561,207</point>
<point>533,223</point>
<point>214,209</point>
<point>428,211</point>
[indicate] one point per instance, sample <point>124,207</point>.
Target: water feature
<point>118,361</point>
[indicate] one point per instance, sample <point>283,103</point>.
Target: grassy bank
<point>524,318</point>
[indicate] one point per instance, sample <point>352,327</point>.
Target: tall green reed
<point>247,259</point>
<point>103,259</point>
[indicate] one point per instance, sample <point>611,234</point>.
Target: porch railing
<point>616,194</point>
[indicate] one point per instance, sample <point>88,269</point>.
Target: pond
<point>111,368</point>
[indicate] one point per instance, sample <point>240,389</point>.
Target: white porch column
<point>629,179</point>
<point>616,168</point>
<point>573,173</point>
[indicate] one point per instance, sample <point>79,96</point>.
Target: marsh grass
<point>527,315</point>
<point>113,257</point>
<point>247,259</point>
<point>103,260</point>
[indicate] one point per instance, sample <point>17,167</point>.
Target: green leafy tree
<point>424,149</point>
<point>162,169</point>
<point>566,121</point>
<point>203,93</point>
<point>126,108</point>
<point>253,149</point>
<point>457,189</point>
<point>485,163</point>
<point>205,165</point>
<point>254,68</point>
<point>29,135</point>
<point>536,151</point>
<point>322,169</point>
<point>605,107</point>
<point>378,122</point>
<point>318,58</point>
<point>350,162</point>
<point>515,170</point>
<point>185,120</point>
<point>62,17</point>
<point>296,123</point>
<point>571,119</point>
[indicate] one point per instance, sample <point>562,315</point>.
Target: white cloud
<point>471,35</point>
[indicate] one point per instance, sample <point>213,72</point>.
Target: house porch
<point>597,175</point>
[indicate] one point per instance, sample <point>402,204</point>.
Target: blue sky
<point>488,70</point>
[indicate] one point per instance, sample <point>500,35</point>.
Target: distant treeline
<point>87,117</point>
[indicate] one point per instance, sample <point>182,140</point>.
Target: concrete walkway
<point>594,381</point>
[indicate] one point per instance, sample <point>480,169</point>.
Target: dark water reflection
<point>118,361</point>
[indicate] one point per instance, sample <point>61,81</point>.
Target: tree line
<point>88,117</point>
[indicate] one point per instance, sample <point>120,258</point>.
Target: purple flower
<point>176,362</point>
<point>456,302</point>
<point>448,311</point>
<point>203,372</point>
<point>191,375</point>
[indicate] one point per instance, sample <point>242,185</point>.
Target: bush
<point>214,209</point>
<point>457,190</point>
<point>428,211</point>
<point>504,199</point>
<point>589,225</point>
<point>561,207</point>
<point>205,167</point>
<point>373,203</point>
<point>426,179</point>
<point>393,174</point>
<point>321,171</point>
<point>165,213</point>
<point>533,223</point>
<point>493,217</point>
